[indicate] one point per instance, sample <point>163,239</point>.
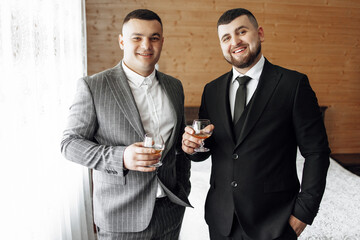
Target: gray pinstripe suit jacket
<point>103,121</point>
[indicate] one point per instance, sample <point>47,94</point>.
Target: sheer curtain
<point>42,53</point>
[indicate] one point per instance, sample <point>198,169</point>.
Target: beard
<point>248,61</point>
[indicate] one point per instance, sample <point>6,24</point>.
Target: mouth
<point>239,50</point>
<point>146,55</point>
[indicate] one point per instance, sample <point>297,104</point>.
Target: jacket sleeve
<point>79,144</point>
<point>313,144</point>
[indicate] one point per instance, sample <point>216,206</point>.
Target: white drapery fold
<point>42,53</point>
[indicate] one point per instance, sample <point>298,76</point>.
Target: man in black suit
<point>255,192</point>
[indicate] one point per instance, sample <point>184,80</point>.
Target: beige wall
<point>316,37</point>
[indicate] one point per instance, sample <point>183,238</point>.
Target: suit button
<point>235,156</point>
<point>234,184</point>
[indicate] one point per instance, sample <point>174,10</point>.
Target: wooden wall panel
<point>317,37</point>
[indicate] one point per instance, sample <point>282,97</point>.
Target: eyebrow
<point>140,34</point>
<point>237,29</point>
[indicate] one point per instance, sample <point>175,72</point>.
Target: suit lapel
<point>223,106</point>
<point>174,97</point>
<point>120,88</point>
<point>267,84</point>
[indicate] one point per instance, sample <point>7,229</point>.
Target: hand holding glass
<point>202,132</point>
<point>156,142</point>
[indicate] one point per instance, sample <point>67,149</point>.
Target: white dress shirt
<point>154,107</point>
<point>254,73</point>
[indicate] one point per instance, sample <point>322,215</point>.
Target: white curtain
<point>42,53</point>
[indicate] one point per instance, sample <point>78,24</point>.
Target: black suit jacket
<point>255,175</point>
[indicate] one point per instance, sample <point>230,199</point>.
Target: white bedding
<point>338,217</point>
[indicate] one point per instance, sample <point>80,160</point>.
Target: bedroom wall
<point>316,37</point>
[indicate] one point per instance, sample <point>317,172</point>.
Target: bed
<point>338,217</point>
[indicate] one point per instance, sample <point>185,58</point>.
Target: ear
<point>121,41</point>
<point>261,34</point>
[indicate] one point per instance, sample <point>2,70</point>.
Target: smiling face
<point>240,43</point>
<point>141,41</point>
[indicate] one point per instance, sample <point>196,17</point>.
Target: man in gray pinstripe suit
<point>108,119</point>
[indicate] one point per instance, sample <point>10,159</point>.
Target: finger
<point>187,149</point>
<point>146,169</point>
<point>185,136</point>
<point>191,144</point>
<point>191,138</point>
<point>138,144</point>
<point>189,130</point>
<point>209,128</point>
<point>144,150</point>
<point>148,157</point>
<point>138,148</point>
<point>146,166</point>
<point>147,163</point>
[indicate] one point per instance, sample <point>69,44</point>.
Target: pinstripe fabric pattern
<point>164,225</point>
<point>103,121</point>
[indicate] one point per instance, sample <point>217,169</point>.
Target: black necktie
<point>240,100</point>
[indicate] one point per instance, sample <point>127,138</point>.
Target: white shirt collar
<point>254,72</point>
<point>136,78</point>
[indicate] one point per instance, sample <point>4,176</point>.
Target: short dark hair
<point>231,14</point>
<point>142,14</point>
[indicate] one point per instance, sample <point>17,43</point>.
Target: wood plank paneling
<point>317,37</point>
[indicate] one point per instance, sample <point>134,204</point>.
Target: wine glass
<point>202,132</point>
<point>155,141</point>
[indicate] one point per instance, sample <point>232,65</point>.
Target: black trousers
<point>237,233</point>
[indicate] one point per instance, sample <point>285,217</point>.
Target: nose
<point>236,40</point>
<point>146,44</point>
